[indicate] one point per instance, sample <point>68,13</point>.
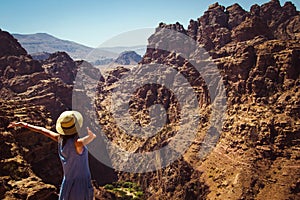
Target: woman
<point>72,150</point>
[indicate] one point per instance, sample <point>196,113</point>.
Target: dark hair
<point>67,137</point>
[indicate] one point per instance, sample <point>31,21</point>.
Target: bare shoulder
<point>79,146</point>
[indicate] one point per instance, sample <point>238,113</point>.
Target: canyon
<point>253,155</point>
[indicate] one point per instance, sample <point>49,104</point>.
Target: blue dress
<point>76,184</point>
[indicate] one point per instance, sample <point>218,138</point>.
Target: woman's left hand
<point>90,133</point>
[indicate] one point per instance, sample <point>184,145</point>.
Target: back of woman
<point>73,153</point>
<point>76,184</point>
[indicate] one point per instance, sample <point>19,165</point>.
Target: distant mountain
<point>40,55</point>
<point>139,49</point>
<point>43,42</point>
<point>39,43</point>
<point>128,58</point>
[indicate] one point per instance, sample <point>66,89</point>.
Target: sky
<point>95,22</point>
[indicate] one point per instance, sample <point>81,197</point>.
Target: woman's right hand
<point>16,124</point>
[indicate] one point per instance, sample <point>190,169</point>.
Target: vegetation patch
<point>125,190</point>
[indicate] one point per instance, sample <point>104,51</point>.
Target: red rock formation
<point>257,155</point>
<point>60,65</point>
<point>219,26</point>
<point>10,46</point>
<point>258,54</point>
<point>35,92</point>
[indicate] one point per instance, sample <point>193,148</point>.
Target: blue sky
<point>93,22</point>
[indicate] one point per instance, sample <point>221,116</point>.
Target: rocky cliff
<point>35,92</point>
<point>256,153</point>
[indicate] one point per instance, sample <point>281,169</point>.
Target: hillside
<point>43,42</point>
<point>35,44</point>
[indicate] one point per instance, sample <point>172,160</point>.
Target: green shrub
<point>108,187</point>
<point>128,184</point>
<point>125,190</point>
<point>139,193</point>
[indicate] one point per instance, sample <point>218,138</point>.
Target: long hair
<point>67,137</point>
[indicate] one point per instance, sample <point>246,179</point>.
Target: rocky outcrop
<point>28,162</point>
<point>60,65</point>
<point>10,46</point>
<point>257,53</point>
<point>219,26</point>
<point>128,58</point>
<point>35,92</point>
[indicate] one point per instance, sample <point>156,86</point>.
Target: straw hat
<point>69,122</point>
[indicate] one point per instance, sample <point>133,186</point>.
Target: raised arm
<point>87,139</point>
<point>81,142</point>
<point>54,136</point>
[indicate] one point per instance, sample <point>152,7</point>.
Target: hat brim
<point>75,129</point>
